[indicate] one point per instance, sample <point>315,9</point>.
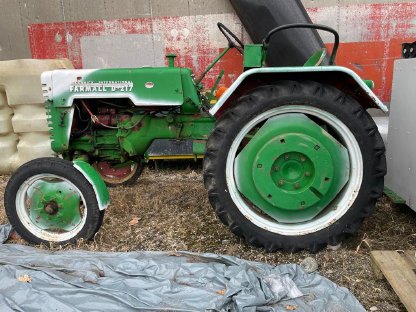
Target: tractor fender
<point>100,189</point>
<point>340,77</point>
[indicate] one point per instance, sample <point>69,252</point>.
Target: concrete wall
<point>17,15</point>
<point>114,33</point>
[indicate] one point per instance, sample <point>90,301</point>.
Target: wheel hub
<point>291,169</point>
<point>51,208</point>
<point>53,205</point>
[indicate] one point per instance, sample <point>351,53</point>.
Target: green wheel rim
<point>297,168</point>
<point>346,190</point>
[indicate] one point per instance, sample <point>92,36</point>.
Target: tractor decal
<point>101,86</point>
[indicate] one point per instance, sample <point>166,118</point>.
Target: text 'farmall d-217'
<point>292,159</point>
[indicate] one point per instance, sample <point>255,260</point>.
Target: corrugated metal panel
<point>23,126</point>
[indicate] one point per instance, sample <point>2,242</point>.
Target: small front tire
<point>48,200</point>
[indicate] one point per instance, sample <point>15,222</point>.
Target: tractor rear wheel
<point>294,165</point>
<point>49,200</point>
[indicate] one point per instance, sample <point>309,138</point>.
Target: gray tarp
<point>153,281</point>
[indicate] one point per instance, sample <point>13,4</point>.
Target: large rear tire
<point>275,216</point>
<point>49,200</point>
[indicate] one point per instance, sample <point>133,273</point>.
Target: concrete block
<point>14,41</point>
<point>169,8</point>
<point>201,7</point>
<point>81,10</point>
<point>319,3</point>
<point>40,11</point>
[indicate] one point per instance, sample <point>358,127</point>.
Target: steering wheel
<point>233,41</point>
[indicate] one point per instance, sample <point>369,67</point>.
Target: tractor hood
<point>143,86</point>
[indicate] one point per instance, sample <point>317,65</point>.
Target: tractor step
<point>172,149</point>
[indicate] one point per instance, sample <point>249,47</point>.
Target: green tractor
<point>292,159</point>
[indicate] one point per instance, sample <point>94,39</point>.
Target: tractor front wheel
<point>49,200</point>
<point>294,165</point>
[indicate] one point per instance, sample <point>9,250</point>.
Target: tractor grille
<point>45,92</point>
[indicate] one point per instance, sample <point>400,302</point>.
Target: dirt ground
<point>169,210</point>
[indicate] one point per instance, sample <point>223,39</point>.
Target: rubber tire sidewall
<point>61,168</point>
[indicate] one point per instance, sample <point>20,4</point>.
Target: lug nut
<point>286,156</point>
<point>297,185</point>
<point>302,159</point>
<point>281,182</point>
<point>277,168</point>
<point>307,174</point>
